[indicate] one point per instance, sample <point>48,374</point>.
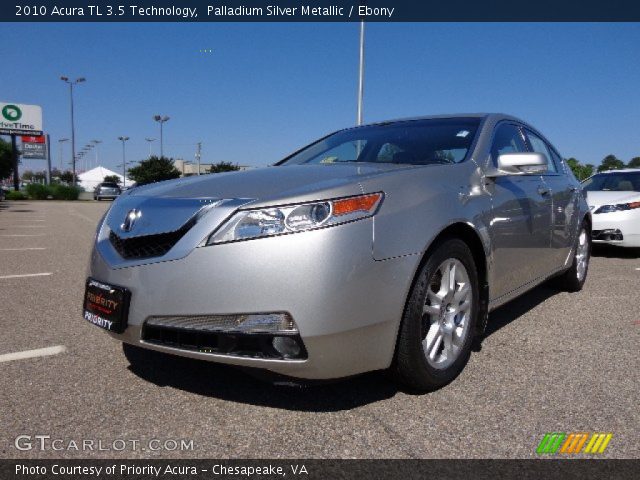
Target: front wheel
<point>439,321</point>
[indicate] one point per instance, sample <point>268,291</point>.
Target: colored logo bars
<point>566,443</point>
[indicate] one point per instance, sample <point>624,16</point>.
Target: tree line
<point>156,169</point>
<point>610,162</point>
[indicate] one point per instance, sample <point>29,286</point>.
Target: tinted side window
<point>539,146</point>
<point>508,139</point>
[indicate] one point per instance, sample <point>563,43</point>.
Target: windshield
<point>616,182</point>
<point>109,185</point>
<point>414,142</point>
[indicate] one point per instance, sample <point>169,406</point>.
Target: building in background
<point>187,169</point>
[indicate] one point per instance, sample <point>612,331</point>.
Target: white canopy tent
<point>91,178</point>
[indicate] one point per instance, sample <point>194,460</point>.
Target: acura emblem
<point>130,220</point>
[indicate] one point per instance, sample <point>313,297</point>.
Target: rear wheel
<point>573,279</point>
<point>438,325</point>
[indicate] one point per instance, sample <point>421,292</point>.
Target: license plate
<point>106,306</point>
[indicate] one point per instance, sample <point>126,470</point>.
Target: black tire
<point>570,281</point>
<point>410,367</point>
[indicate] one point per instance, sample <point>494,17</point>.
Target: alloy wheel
<point>446,312</point>
<point>582,255</point>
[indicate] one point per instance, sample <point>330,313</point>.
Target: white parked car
<point>614,200</point>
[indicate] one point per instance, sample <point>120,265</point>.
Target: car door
<point>520,219</point>
<point>563,193</point>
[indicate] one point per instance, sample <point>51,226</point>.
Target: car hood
<point>269,183</point>
<point>167,206</point>
<point>605,197</point>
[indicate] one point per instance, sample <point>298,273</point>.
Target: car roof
<point>496,117</point>
<point>621,170</point>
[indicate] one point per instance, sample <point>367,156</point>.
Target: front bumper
<point>617,228</point>
<point>347,306</point>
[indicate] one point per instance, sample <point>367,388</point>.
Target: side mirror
<point>520,164</point>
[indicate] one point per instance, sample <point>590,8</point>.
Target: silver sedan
<point>377,247</point>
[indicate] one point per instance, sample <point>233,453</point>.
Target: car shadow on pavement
<point>609,251</point>
<point>245,386</point>
<point>515,309</point>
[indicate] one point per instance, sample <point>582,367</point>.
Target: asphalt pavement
<point>551,362</point>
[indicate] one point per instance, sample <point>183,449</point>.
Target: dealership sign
<point>34,147</point>
<point>19,119</point>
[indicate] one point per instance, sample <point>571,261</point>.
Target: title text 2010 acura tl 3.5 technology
<point>377,247</point>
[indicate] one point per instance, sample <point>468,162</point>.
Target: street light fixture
<point>124,162</point>
<point>96,143</point>
<point>73,128</point>
<point>149,139</point>
<point>161,119</point>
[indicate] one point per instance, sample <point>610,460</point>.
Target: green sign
<point>12,113</point>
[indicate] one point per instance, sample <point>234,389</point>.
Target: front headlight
<point>266,222</point>
<point>620,207</point>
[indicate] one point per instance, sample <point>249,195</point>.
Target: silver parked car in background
<point>108,190</point>
<point>377,247</point>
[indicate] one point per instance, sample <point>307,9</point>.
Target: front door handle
<point>543,190</point>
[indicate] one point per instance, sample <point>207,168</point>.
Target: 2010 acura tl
<point>377,247</point>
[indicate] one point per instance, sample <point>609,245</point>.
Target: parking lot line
<point>21,249</point>
<point>40,352</point>
<point>23,235</point>
<point>45,274</point>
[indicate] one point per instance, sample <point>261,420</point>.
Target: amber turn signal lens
<point>363,203</point>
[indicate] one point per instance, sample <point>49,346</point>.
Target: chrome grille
<point>147,246</point>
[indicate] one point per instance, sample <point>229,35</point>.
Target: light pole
<point>198,155</point>
<point>60,143</point>
<point>124,162</point>
<point>149,140</point>
<point>73,128</point>
<point>361,74</point>
<point>96,143</point>
<point>161,119</point>
<point>84,152</point>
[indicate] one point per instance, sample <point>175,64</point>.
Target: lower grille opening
<point>252,345</point>
<point>607,235</point>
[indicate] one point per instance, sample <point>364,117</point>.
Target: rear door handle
<point>543,190</point>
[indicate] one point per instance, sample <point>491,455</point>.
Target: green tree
<point>111,178</point>
<point>223,167</point>
<point>28,175</point>
<point>580,171</point>
<point>67,177</point>
<point>154,169</point>
<point>634,162</point>
<point>610,162</point>
<point>6,160</point>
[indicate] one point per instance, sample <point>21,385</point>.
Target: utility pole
<point>60,142</point>
<point>96,143</point>
<point>124,162</point>
<point>14,158</point>
<point>48,159</point>
<point>161,120</point>
<point>73,128</point>
<point>361,75</point>
<point>149,140</point>
<point>198,153</point>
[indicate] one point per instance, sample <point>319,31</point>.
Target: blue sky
<point>268,89</point>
